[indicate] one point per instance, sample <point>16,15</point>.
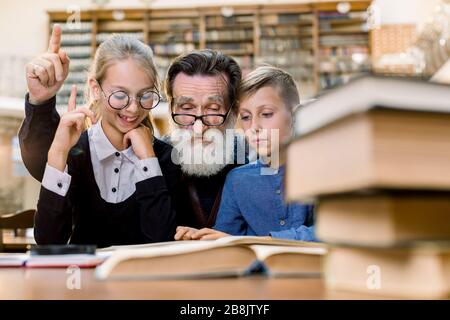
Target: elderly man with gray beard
<point>202,88</point>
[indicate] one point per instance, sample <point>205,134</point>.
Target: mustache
<point>189,136</point>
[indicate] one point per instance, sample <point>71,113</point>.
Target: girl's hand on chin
<point>141,140</point>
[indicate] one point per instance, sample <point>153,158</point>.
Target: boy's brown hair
<point>270,76</point>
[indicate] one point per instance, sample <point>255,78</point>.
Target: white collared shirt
<point>116,172</point>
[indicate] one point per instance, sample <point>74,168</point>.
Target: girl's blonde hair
<point>118,48</point>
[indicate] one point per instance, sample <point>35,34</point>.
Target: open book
<point>225,257</point>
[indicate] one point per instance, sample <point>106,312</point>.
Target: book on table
<point>12,259</point>
<point>225,257</point>
<point>374,156</point>
<point>375,132</point>
<point>65,260</point>
<point>418,270</point>
<point>383,217</point>
<point>51,261</point>
<point>55,256</point>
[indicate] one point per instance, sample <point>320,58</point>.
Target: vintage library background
<point>323,44</point>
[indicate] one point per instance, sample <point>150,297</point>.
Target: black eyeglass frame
<point>195,117</point>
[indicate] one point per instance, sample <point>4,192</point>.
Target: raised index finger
<point>55,39</point>
<point>72,99</point>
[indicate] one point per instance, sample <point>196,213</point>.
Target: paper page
<point>264,251</point>
<point>141,246</point>
<point>64,260</point>
<point>13,259</point>
<point>235,240</point>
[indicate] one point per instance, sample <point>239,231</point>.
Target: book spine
<point>257,267</point>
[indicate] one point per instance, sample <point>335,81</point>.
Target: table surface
<point>51,283</point>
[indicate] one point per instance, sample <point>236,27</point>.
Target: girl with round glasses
<point>114,183</point>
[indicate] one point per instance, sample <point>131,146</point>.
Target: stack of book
<point>375,157</point>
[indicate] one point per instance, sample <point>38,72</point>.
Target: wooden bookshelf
<point>344,47</point>
<point>287,41</point>
<point>310,40</point>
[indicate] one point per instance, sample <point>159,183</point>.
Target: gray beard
<point>200,159</point>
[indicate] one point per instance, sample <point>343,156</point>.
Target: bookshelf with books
<point>170,34</point>
<point>287,41</point>
<point>232,35</point>
<point>344,48</point>
<point>127,27</point>
<point>77,41</point>
<point>317,45</point>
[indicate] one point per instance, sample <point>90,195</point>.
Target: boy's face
<point>262,115</point>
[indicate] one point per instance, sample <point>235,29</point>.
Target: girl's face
<point>261,113</point>
<point>129,77</point>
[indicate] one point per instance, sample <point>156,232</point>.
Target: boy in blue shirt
<point>252,199</point>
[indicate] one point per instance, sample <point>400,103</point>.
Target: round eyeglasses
<point>120,99</point>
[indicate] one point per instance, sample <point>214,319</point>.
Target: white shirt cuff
<point>56,181</point>
<point>147,168</point>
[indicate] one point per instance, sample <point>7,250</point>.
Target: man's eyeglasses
<point>183,118</point>
<point>207,119</point>
<point>120,99</point>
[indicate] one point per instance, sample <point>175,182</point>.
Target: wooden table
<point>28,283</point>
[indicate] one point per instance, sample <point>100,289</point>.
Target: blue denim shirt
<point>253,204</point>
